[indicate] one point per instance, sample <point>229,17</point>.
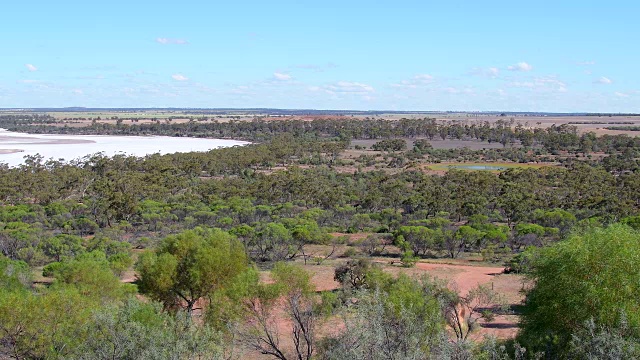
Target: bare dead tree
<point>263,335</point>
<point>463,313</point>
<point>301,313</point>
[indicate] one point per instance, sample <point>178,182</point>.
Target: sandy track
<point>464,277</point>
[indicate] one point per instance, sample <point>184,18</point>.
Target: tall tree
<point>191,265</point>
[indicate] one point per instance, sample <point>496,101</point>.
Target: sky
<point>546,56</point>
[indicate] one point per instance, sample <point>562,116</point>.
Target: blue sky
<point>568,56</point>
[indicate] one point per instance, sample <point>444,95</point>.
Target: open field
<point>488,166</point>
<point>461,275</point>
<point>585,123</point>
<point>438,143</point>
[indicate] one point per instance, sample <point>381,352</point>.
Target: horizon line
<point>326,111</point>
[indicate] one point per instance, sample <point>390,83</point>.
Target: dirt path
<point>463,277</point>
<point>466,277</point>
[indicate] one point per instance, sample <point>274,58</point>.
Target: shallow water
<point>478,167</point>
<point>69,147</point>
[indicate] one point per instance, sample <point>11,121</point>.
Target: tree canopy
<point>191,265</point>
<point>591,275</point>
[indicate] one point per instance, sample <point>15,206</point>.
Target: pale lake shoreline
<point>15,146</point>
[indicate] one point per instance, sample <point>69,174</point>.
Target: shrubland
<point>203,229</point>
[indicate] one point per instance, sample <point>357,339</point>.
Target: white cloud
<point>621,94</point>
<point>169,41</point>
<point>423,77</point>
<point>416,81</point>
<point>179,77</point>
<point>241,90</point>
<point>31,67</point>
<point>344,87</point>
<point>351,87</point>
<point>551,80</point>
<point>586,63</point>
<point>603,80</point>
<point>523,84</point>
<point>549,83</point>
<point>281,76</point>
<point>521,66</point>
<point>77,91</point>
<point>453,90</point>
<point>492,72</point>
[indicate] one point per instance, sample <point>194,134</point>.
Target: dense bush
<point>590,276</point>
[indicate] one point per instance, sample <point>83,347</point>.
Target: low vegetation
<point>207,255</point>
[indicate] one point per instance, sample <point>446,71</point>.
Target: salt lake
<point>14,146</point>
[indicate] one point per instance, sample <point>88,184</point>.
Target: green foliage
<point>91,275</point>
<point>273,242</point>
<point>373,244</point>
<point>47,325</point>
<point>63,323</point>
<point>191,265</point>
<point>62,246</point>
<point>16,236</point>
<point>229,302</point>
<point>632,221</point>
<point>329,303</point>
<point>605,342</point>
<point>120,262</point>
<point>422,145</point>
<point>306,231</point>
<point>138,330</point>
<point>420,238</point>
<point>108,246</point>
<point>468,236</point>
<point>590,275</point>
<point>80,219</point>
<point>349,253</point>
<point>526,235</point>
<point>353,274</point>
<point>522,263</point>
<point>408,259</point>
<point>14,275</point>
<point>556,218</point>
<point>401,243</point>
<point>290,277</point>
<point>493,349</point>
<point>401,319</point>
<point>51,269</point>
<point>390,145</point>
<point>497,235</point>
